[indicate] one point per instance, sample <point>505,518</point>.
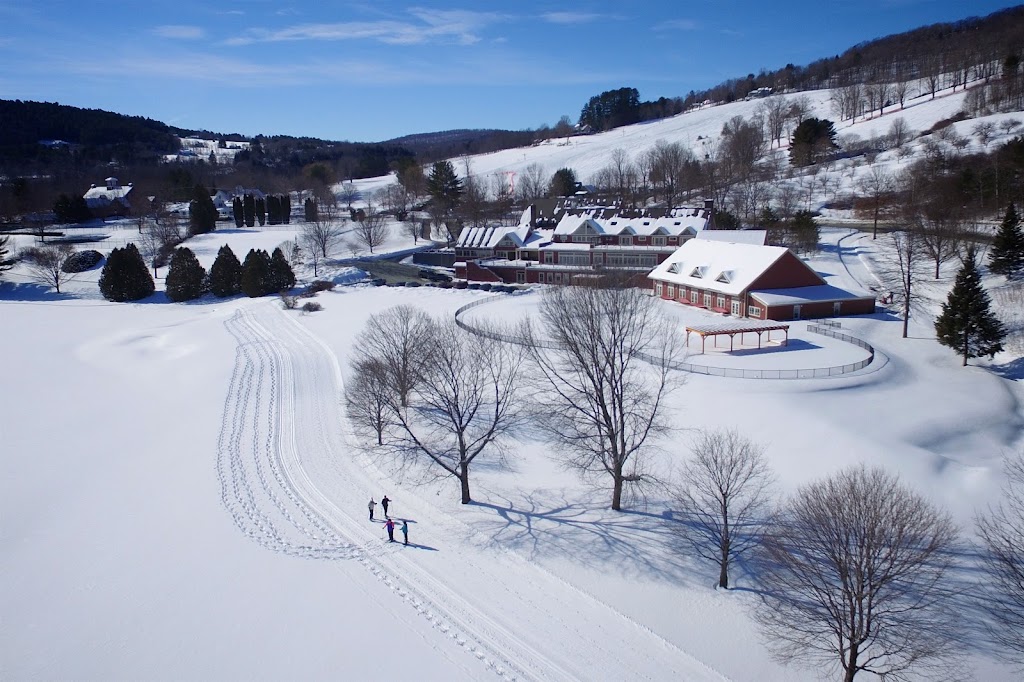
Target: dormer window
<point>725,277</point>
<point>675,268</point>
<point>698,272</point>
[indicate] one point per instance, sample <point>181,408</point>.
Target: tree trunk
<point>966,350</point>
<point>723,574</point>
<point>617,492</point>
<point>906,315</point>
<point>851,668</point>
<point>936,267</point>
<point>464,480</point>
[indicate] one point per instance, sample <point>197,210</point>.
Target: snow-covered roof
<point>817,294</point>
<point>679,221</point>
<point>725,267</point>
<point>736,236</point>
<point>490,237</point>
<point>99,197</point>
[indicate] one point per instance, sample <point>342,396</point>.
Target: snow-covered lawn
<point>183,497</point>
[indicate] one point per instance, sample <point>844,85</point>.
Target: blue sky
<point>369,71</point>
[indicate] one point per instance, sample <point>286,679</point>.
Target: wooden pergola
<point>734,327</point>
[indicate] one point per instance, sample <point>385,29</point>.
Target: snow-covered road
<point>289,480</point>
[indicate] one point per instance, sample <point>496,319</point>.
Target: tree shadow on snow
<point>632,543</point>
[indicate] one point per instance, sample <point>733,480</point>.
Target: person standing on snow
<point>384,503</point>
<point>371,506</point>
<point>390,525</point>
<point>405,531</point>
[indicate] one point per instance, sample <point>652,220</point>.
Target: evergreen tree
<point>261,211</point>
<point>249,210</point>
<point>444,185</point>
<point>803,232</point>
<point>256,279</point>
<point>813,140</point>
<point>125,276</point>
<point>967,324</point>
<point>237,212</point>
<point>68,209</point>
<point>273,210</point>
<point>185,276</point>
<point>281,275</point>
<point>310,210</point>
<point>1007,254</point>
<point>286,209</point>
<point>226,273</point>
<point>202,213</point>
<point>6,263</point>
<point>563,183</point>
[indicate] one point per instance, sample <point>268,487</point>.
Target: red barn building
<point>752,280</point>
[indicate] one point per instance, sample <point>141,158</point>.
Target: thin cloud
<point>569,18</point>
<point>460,26</point>
<point>677,25</point>
<point>178,32</point>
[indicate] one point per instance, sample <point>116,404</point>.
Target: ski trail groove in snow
<point>282,415</point>
<point>259,474</point>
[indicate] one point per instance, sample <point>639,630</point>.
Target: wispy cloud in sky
<point>460,26</point>
<point>570,18</point>
<point>178,32</point>
<point>677,25</point>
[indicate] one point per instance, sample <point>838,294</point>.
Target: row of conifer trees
<point>248,210</point>
<point>125,276</point>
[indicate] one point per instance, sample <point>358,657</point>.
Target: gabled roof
<point>723,267</point>
<point>680,221</point>
<point>490,237</point>
<point>737,236</point>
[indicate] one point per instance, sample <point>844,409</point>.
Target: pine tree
<point>249,210</point>
<point>310,210</point>
<point>967,324</point>
<point>202,213</point>
<point>444,185</point>
<point>125,276</point>
<point>226,273</point>
<point>185,276</point>
<point>256,280</point>
<point>281,275</point>
<point>1007,254</point>
<point>237,212</point>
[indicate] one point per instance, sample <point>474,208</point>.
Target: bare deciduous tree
<point>1002,534</point>
<point>605,353</point>
<point>45,264</point>
<point>396,337</point>
<point>877,185</point>
<point>371,228</point>
<point>725,496</point>
<point>396,200</point>
<point>466,403</point>
<point>531,183</point>
<point>853,577</point>
<point>348,195</point>
<point>367,396</point>
<point>774,111</point>
<point>903,270</point>
<point>668,165</point>
<point>321,236</point>
<point>158,241</point>
<point>899,132</point>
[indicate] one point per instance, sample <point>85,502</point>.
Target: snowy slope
<point>183,497</point>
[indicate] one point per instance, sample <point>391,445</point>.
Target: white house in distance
<point>751,280</point>
<point>112,198</point>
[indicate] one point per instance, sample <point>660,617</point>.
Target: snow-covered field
<point>183,496</point>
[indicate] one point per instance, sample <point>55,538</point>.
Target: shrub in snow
<point>311,307</point>
<point>82,261</point>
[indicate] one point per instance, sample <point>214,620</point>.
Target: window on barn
<point>753,311</point>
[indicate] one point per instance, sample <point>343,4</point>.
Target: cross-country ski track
<point>288,479</point>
